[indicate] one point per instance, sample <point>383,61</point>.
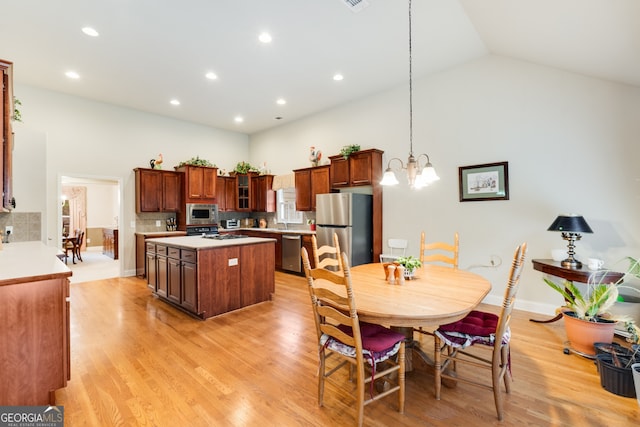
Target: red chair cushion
<point>476,323</point>
<point>375,338</point>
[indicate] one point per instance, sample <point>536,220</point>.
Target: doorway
<point>93,205</point>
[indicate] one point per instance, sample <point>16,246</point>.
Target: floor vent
<point>355,5</point>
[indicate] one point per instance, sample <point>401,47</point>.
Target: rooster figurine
<point>157,162</point>
<point>314,156</point>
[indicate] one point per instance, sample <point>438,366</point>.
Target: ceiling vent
<point>355,5</point>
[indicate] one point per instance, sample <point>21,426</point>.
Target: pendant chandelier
<point>418,176</point>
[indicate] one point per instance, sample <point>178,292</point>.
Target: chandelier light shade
<point>418,176</point>
<point>570,226</point>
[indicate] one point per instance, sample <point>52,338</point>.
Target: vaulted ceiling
<point>150,52</point>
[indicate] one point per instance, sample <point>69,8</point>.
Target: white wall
<point>102,204</point>
<point>92,139</point>
<point>571,142</point>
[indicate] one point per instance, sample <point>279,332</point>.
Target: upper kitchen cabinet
<point>263,198</point>
<point>309,182</point>
<point>226,193</point>
<point>158,190</point>
<point>360,168</point>
<point>199,183</point>
<point>243,191</point>
<point>6,112</point>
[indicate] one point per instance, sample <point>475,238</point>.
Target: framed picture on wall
<point>484,182</point>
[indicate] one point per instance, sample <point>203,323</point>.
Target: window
<point>286,212</point>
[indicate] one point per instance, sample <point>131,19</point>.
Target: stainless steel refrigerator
<point>350,216</point>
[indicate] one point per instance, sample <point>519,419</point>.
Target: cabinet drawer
<point>151,248</point>
<point>173,253</point>
<point>161,250</point>
<point>188,256</point>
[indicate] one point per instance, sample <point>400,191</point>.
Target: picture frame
<point>489,181</point>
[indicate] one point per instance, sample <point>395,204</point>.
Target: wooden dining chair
<point>327,256</point>
<point>376,353</point>
<point>485,330</point>
<point>440,252</point>
<point>78,245</point>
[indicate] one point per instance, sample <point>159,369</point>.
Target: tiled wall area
<point>27,226</point>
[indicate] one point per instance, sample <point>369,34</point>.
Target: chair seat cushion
<point>476,327</point>
<point>378,343</point>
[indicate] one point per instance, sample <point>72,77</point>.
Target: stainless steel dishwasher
<point>291,260</point>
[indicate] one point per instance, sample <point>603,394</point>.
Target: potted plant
<point>587,315</point>
<point>195,161</point>
<point>312,224</point>
<point>410,263</point>
<point>347,150</point>
<point>244,168</point>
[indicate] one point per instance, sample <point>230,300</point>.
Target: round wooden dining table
<point>437,295</point>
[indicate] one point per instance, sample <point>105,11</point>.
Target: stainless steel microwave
<point>201,214</point>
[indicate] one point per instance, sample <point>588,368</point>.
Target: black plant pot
<point>617,380</point>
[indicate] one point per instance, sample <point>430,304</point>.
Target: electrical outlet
<point>8,229</point>
<point>88,240</point>
<point>158,224</point>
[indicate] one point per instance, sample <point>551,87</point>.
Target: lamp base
<point>571,263</point>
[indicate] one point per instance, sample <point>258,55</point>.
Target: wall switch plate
<point>158,223</point>
<point>132,224</point>
<point>8,229</point>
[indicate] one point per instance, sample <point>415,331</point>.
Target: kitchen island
<point>34,314</point>
<point>208,277</point>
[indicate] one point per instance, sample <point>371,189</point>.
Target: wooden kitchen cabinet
<point>6,151</point>
<point>309,182</point>
<point>142,250</point>
<point>200,183</point>
<point>172,274</point>
<point>226,193</point>
<point>243,192</point>
<point>267,235</point>
<point>110,242</point>
<point>361,168</point>
<point>162,280</point>
<point>158,190</point>
<point>263,198</point>
<point>151,267</point>
<point>307,243</point>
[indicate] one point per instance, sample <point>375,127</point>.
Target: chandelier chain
<point>410,89</point>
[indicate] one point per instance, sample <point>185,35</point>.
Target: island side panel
<point>219,280</point>
<point>257,273</point>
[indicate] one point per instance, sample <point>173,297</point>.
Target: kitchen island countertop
<point>198,242</point>
<point>269,230</point>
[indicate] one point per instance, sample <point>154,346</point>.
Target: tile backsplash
<point>27,226</point>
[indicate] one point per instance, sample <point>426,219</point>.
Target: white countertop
<point>198,242</point>
<point>29,261</point>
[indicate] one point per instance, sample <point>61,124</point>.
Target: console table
<point>110,242</point>
<point>555,268</point>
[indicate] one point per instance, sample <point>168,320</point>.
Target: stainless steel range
<point>216,236</point>
<point>197,230</point>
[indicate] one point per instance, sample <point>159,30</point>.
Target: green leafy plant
<point>244,167</point>
<point>347,150</point>
<point>599,297</point>
<point>311,221</point>
<point>17,115</point>
<point>410,263</point>
<point>196,161</point>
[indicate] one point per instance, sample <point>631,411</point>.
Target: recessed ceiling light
<point>72,75</point>
<point>281,101</point>
<point>265,37</point>
<point>238,119</point>
<point>211,75</point>
<point>90,32</point>
<point>338,77</point>
<point>174,102</point>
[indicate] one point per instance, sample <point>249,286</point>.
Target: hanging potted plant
<point>587,316</point>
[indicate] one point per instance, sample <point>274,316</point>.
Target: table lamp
<point>571,226</point>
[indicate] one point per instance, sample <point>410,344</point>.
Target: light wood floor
<point>137,361</point>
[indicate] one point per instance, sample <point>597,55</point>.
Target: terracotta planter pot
<point>583,334</point>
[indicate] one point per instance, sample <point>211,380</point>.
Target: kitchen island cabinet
<point>208,277</point>
<point>141,249</point>
<point>35,353</point>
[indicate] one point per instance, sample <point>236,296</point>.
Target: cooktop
<point>224,236</point>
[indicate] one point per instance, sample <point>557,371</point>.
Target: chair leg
<point>360,394</point>
<point>321,377</point>
<point>401,361</point>
<point>437,366</point>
